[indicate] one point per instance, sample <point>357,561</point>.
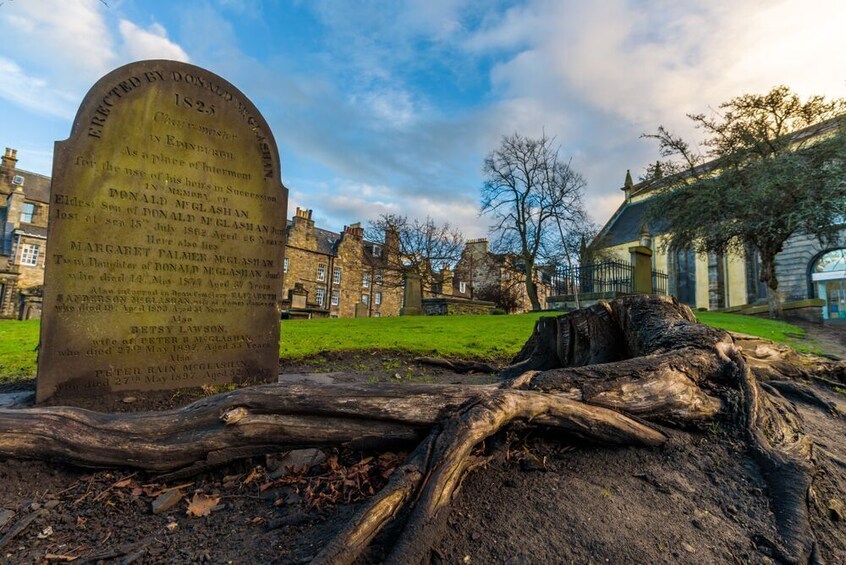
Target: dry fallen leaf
<point>60,557</point>
<point>202,505</point>
<point>253,474</point>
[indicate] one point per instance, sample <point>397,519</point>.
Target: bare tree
<point>530,193</point>
<point>413,246</point>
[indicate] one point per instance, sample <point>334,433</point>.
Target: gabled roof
<point>327,241</point>
<point>36,187</point>
<point>627,222</point>
<point>626,225</point>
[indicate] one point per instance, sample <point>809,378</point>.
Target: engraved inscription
<point>166,238</point>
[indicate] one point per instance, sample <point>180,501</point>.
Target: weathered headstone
<point>165,239</point>
<point>412,296</point>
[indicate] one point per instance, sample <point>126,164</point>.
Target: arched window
<point>682,279</point>
<point>828,274</point>
<point>755,289</point>
<point>716,281</point>
<point>831,262</point>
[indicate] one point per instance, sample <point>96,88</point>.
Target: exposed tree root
<point>600,374</point>
<point>457,365</point>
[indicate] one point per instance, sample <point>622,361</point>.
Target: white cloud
<point>598,74</point>
<point>151,43</point>
<point>54,33</point>
<point>32,93</point>
<point>57,49</point>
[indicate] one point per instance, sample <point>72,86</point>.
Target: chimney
<point>355,230</point>
<point>10,160</point>
<point>303,217</point>
<point>477,246</point>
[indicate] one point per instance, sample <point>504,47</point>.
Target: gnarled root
<point>601,374</point>
<point>440,462</point>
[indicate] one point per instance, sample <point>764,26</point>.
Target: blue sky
<point>390,106</point>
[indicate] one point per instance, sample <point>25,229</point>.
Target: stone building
<point>497,277</point>
<point>24,205</point>
<point>806,268</point>
<point>343,274</point>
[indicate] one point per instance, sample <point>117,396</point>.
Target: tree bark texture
<point>602,374</point>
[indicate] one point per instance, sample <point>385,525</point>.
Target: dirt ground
<point>698,499</point>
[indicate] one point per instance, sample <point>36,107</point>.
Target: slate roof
<point>32,230</point>
<point>36,187</point>
<point>626,224</point>
<point>326,241</point>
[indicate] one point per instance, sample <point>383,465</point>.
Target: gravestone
<point>412,295</point>
<point>165,238</point>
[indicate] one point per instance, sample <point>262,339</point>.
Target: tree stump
<point>602,374</point>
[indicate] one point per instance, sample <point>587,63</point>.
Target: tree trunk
<point>769,278</point>
<point>531,287</point>
<point>601,374</point>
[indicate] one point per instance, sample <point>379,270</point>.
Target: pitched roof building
<point>806,268</point>
<point>24,207</point>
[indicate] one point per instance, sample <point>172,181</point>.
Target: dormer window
<point>377,250</point>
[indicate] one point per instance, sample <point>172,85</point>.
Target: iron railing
<point>606,278</point>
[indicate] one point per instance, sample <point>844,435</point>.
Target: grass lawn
<point>17,348</point>
<point>774,330</point>
<point>494,338</point>
<point>485,337</point>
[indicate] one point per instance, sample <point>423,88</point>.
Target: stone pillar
<point>413,296</point>
<point>642,265</point>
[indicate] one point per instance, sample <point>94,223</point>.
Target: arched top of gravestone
<point>223,98</point>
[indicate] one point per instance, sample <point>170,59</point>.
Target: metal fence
<point>659,282</point>
<point>602,279</point>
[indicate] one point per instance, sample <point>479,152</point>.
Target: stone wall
<point>793,262</point>
<point>455,306</point>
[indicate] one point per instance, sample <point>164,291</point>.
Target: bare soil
<point>698,499</point>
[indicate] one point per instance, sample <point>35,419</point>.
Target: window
<point>285,265</point>
<point>29,255</point>
<point>755,289</point>
<point>462,287</point>
<point>377,315</point>
<point>377,299</point>
<point>379,277</point>
<point>377,250</point>
<point>716,281</point>
<point>683,275</point>
<point>336,298</point>
<point>27,213</point>
<point>365,299</point>
<point>336,275</point>
<point>436,288</point>
<point>320,296</point>
<point>365,280</point>
<point>321,272</point>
